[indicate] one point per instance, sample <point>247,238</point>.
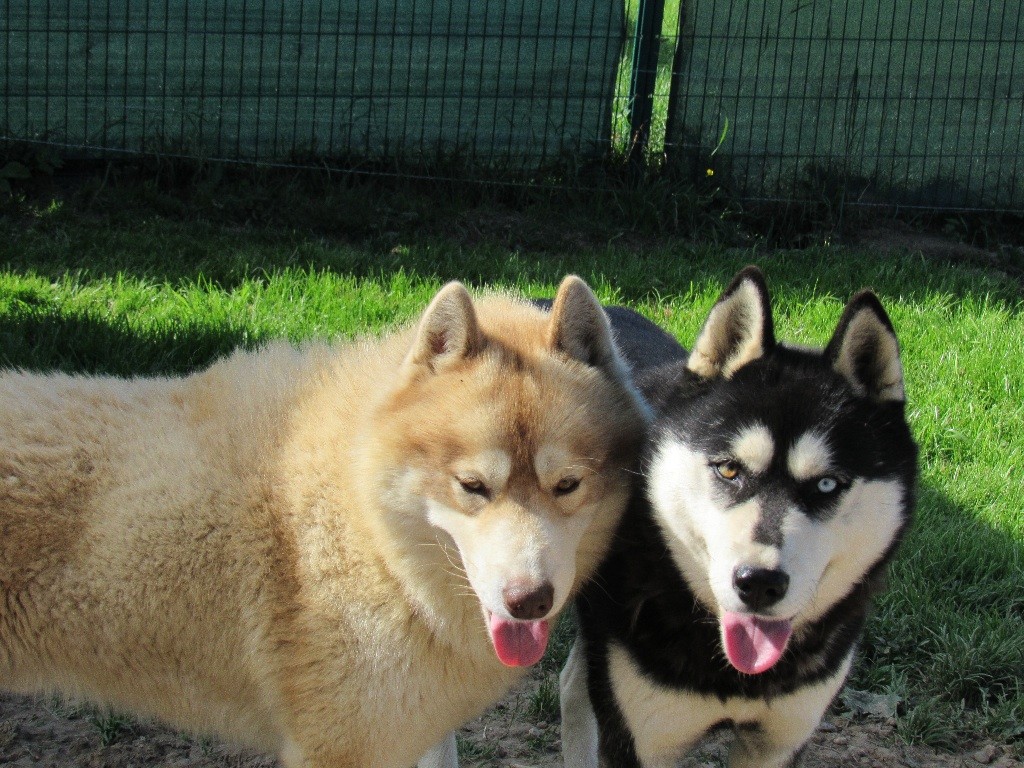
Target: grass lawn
<point>134,291</point>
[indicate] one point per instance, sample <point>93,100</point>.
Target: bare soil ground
<point>48,733</point>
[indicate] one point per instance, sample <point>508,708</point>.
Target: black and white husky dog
<point>778,483</point>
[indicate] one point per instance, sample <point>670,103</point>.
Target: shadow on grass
<point>948,634</point>
<point>187,253</point>
<point>44,341</point>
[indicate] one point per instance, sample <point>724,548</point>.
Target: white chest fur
<point>666,722</point>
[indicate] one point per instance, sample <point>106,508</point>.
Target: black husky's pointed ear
<point>448,330</point>
<point>579,328</point>
<point>864,350</point>
<point>738,330</point>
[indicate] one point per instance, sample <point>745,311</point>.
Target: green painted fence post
<point>643,74</point>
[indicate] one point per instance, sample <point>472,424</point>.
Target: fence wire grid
<point>918,103</point>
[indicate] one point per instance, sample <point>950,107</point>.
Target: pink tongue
<point>518,643</point>
<point>753,644</point>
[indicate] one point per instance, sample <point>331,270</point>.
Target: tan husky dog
<point>335,553</point>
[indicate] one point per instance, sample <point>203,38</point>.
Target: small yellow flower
<point>710,172</point>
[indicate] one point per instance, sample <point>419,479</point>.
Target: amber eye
<point>473,485</point>
<point>728,469</point>
<point>567,485</point>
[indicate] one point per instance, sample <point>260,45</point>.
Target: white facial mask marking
<point>708,542</point>
<point>506,544</point>
<point>810,456</point>
<point>754,448</point>
<point>847,544</point>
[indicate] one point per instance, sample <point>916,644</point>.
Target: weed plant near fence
<point>918,103</point>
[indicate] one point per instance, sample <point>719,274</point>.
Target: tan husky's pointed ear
<point>580,328</point>
<point>865,351</point>
<point>448,330</point>
<point>739,328</point>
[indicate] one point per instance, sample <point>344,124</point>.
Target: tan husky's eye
<point>473,485</point>
<point>566,485</point>
<point>728,469</point>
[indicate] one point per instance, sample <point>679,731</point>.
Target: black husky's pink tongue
<point>753,644</point>
<point>518,643</point>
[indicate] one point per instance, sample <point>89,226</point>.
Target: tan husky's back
<point>132,525</point>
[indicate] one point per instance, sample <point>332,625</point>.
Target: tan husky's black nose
<point>529,601</point>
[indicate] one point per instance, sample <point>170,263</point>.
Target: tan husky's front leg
<point>444,754</point>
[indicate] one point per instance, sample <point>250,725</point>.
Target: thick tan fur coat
<point>247,552</point>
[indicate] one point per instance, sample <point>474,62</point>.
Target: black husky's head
<point>782,477</point>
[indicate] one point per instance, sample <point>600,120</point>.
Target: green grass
<point>477,750</point>
<point>139,292</point>
<point>110,725</point>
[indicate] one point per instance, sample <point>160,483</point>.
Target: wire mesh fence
<point>912,102</point>
<point>493,80</point>
<point>915,102</point>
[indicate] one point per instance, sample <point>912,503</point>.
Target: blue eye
<point>827,485</point>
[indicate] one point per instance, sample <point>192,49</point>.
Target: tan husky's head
<point>506,454</point>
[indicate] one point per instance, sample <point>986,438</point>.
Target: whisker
<point>447,554</point>
<point>458,576</point>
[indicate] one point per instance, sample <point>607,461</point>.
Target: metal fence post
<point>681,51</point>
<point>643,74</point>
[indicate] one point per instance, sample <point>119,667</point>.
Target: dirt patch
<point>520,732</point>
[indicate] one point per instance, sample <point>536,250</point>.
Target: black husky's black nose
<point>529,601</point>
<point>760,587</point>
